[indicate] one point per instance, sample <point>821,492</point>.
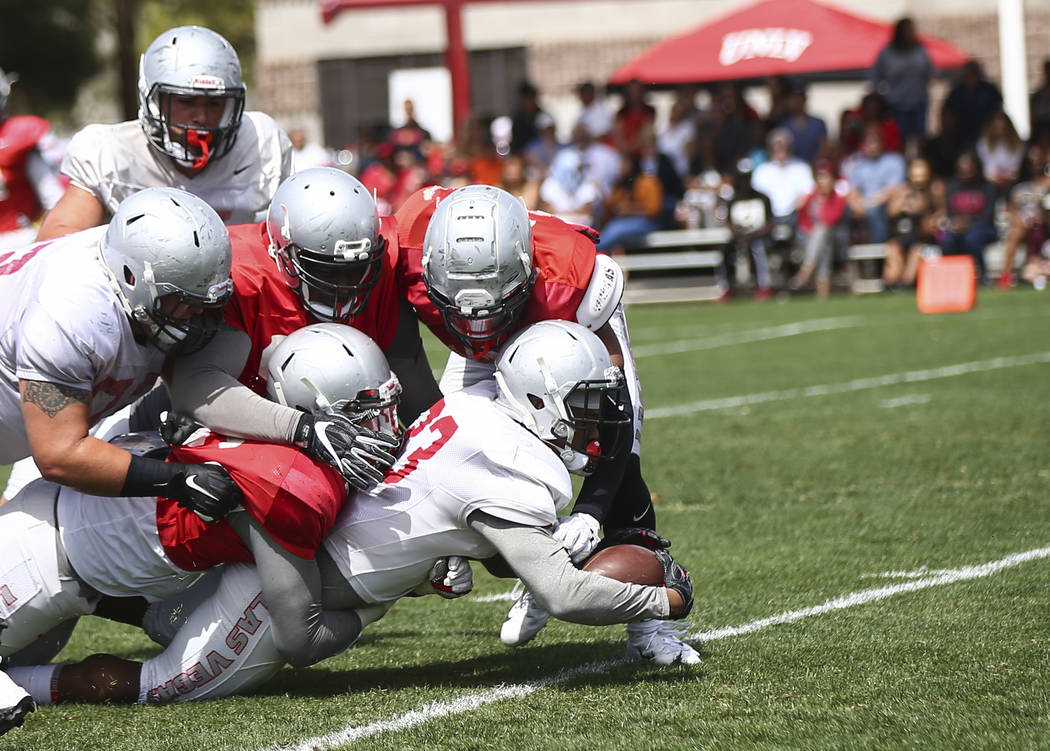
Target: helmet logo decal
<point>206,82</point>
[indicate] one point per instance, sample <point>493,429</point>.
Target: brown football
<point>627,563</point>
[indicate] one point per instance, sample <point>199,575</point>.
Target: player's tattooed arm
<point>52,398</point>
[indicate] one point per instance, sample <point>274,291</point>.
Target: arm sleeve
<point>565,591</point>
<point>303,632</point>
<point>204,385</point>
<point>409,362</point>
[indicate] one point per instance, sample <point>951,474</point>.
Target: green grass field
<point>854,453</point>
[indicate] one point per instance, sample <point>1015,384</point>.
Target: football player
<point>28,184</point>
<point>89,322</point>
<point>478,475</point>
<point>62,551</point>
<point>323,254</point>
<point>477,267</point>
<point>192,133</point>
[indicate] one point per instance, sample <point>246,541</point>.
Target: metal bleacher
<point>681,253</point>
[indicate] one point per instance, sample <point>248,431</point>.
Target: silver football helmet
<point>324,234</point>
<point>5,89</point>
<point>164,242</point>
<point>184,63</point>
<point>331,366</point>
<point>477,265</point>
<point>556,378</point>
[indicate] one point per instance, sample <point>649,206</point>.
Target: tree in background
<point>52,47</point>
<point>55,46</point>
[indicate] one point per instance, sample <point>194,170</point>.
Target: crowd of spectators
<point>793,194</point>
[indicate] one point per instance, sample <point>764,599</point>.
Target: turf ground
<point>860,493</point>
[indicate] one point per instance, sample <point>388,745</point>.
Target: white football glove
<point>449,577</point>
<point>578,534</point>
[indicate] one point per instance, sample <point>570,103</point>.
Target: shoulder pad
<point>602,295</point>
<point>21,133</point>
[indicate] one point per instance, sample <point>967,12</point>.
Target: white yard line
<point>857,384</point>
<point>916,574</point>
<point>906,400</point>
<point>947,576</point>
<point>745,337</point>
<point>470,702</point>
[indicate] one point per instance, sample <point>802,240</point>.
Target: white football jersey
<point>463,454</point>
<point>61,322</point>
<point>113,545</point>
<point>113,161</point>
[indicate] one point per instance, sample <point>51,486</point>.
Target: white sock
<point>41,681</point>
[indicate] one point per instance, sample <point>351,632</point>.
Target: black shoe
<point>16,715</point>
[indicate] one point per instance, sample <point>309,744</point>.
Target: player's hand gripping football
<point>677,580</point>
<point>578,534</point>
<point>361,455</point>
<point>449,577</point>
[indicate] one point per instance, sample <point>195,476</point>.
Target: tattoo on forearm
<point>52,398</point>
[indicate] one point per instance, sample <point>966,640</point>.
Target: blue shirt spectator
<point>808,132</point>
<point>872,174</point>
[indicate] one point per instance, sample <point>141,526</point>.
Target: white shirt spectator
<point>786,184</point>
<point>597,118</point>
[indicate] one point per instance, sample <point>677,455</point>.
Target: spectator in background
<point>943,149</point>
<point>674,140</point>
<point>872,113</point>
<point>1027,210</point>
<point>913,221</point>
<point>307,154</point>
<point>597,119</point>
<point>808,132</point>
<point>1039,104</point>
<point>779,90</point>
<point>480,149</point>
<point>633,121</point>
<point>749,216</point>
<point>818,222</point>
<point>734,126</point>
<point>973,100</point>
<point>380,178</point>
<point>871,175</point>
<point>524,127</point>
<point>970,201</point>
<point>411,134</point>
<point>541,150</point>
<point>1001,151</point>
<point>601,162</point>
<point>655,162</point>
<point>786,179</point>
<point>517,182</point>
<point>633,209</point>
<point>901,74</point>
<point>569,191</point>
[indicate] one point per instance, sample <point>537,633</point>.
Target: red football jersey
<point>563,255</point>
<point>18,200</point>
<point>294,498</point>
<point>267,309</point>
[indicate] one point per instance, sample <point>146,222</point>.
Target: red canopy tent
<point>775,37</point>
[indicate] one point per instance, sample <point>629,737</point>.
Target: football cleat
<point>660,642</point>
<point>524,620</point>
<point>15,704</point>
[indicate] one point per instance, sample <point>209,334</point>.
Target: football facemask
<point>334,288</point>
<point>486,326</point>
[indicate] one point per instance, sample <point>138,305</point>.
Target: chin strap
<point>200,139</point>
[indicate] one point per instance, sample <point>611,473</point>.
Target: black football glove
<point>678,579</point>
<point>176,429</point>
<point>647,538</point>
<point>205,489</point>
<point>361,455</point>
